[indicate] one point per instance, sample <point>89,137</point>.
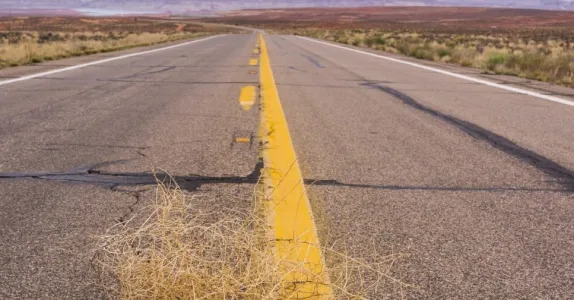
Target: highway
<point>472,184</point>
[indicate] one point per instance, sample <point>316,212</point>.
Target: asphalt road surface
<point>472,183</point>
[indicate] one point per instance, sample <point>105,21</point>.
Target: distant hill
<point>191,6</point>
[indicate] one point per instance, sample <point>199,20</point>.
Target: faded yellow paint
<point>243,140</point>
<point>297,245</point>
<point>247,97</point>
<point>253,62</point>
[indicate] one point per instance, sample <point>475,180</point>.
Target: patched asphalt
<point>470,186</point>
<point>81,150</point>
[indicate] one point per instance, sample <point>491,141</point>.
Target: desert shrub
<point>531,61</point>
<point>450,44</point>
<point>465,56</point>
<point>538,54</point>
<point>369,42</point>
<point>422,52</point>
<point>380,40</point>
<point>47,37</point>
<point>402,47</point>
<point>35,48</point>
<point>442,52</point>
<point>513,61</point>
<point>563,66</point>
<point>342,39</point>
<point>496,59</point>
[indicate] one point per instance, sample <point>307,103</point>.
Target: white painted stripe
<point>70,68</point>
<point>481,81</point>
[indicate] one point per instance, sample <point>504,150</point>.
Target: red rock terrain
<point>438,16</point>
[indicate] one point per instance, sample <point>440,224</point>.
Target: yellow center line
<point>247,97</point>
<point>297,245</point>
<point>253,62</point>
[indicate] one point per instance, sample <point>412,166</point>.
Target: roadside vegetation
<point>533,44</point>
<point>33,40</point>
<point>548,59</point>
<point>181,252</point>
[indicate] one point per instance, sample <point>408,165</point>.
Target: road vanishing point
<point>469,175</point>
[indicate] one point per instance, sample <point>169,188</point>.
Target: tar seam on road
<point>288,207</point>
<point>452,74</point>
<point>149,72</point>
<point>336,183</point>
<point>313,61</point>
<point>90,175</point>
<point>563,175</point>
<point>70,68</point>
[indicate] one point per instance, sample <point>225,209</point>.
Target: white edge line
<point>32,76</point>
<point>485,82</point>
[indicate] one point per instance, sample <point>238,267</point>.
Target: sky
<point>194,5</point>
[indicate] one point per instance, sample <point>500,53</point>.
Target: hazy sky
<point>232,4</point>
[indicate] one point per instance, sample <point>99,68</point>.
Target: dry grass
<point>534,44</point>
<point>29,50</point>
<point>32,40</point>
<point>545,59</point>
<point>97,24</point>
<point>181,253</point>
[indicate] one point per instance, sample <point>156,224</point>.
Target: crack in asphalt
<point>163,66</point>
<point>150,70</point>
<point>141,153</point>
<point>97,146</point>
<point>336,183</point>
<point>563,175</point>
<point>89,175</point>
<point>131,208</point>
<point>176,82</point>
<point>114,181</point>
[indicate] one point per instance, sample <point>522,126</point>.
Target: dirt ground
<point>449,19</point>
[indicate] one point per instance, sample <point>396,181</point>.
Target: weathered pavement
<point>106,127</point>
<point>396,159</point>
<point>403,160</point>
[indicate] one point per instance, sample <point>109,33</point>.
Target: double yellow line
<point>296,246</point>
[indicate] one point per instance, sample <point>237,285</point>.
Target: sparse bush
<point>380,40</point>
<point>442,52</point>
<point>450,45</point>
<point>496,59</point>
<point>30,49</point>
<point>465,57</point>
<point>403,47</point>
<point>531,61</point>
<point>528,56</point>
<point>369,42</point>
<point>36,39</point>
<point>423,52</point>
<point>342,39</point>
